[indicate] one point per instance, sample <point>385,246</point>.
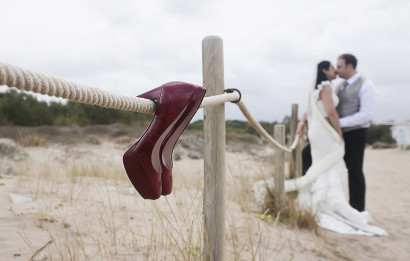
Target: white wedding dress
<point>325,194</point>
<point>322,188</point>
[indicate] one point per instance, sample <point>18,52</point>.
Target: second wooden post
<point>279,136</point>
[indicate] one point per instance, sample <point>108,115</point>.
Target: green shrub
<point>23,109</point>
<point>379,133</point>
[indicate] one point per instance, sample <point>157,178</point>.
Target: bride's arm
<point>326,97</point>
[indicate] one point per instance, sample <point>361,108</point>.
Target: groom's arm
<point>367,96</point>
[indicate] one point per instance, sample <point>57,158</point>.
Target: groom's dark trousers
<point>355,143</point>
<point>306,159</point>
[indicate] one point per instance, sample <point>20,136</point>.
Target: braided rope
<point>263,132</point>
<point>13,76</point>
<point>218,99</point>
<point>26,80</point>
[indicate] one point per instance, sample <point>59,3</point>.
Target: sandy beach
<point>73,201</point>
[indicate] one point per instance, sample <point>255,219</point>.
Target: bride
<point>322,188</point>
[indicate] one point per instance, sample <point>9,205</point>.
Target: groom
<point>356,102</point>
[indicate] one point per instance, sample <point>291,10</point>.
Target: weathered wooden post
<point>293,125</point>
<point>295,166</point>
<point>279,136</point>
<point>214,151</point>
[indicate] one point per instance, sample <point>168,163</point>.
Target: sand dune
<point>78,197</point>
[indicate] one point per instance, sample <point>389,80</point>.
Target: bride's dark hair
<point>320,77</point>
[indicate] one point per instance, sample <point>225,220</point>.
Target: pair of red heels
<point>148,162</point>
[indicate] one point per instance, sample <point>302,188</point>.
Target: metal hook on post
<point>231,90</point>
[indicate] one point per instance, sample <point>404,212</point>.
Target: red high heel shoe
<point>142,161</point>
<point>173,136</point>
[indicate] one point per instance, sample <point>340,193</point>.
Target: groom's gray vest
<point>349,102</point>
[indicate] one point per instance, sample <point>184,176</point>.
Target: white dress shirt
<point>367,96</point>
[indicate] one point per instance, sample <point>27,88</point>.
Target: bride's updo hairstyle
<point>320,77</point>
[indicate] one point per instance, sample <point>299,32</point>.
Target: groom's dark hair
<point>349,59</point>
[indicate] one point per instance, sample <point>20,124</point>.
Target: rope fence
<point>214,143</point>
<point>22,79</point>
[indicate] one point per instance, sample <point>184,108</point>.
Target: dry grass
<point>31,140</point>
<point>107,223</point>
<point>93,139</point>
<point>89,212</point>
<point>289,213</point>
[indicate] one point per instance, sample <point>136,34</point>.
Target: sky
<point>271,47</point>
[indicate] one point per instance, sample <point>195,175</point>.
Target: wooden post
<point>293,126</point>
<point>279,136</point>
<point>214,151</point>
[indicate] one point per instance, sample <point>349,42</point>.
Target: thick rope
<point>13,76</point>
<point>263,132</point>
<point>218,100</point>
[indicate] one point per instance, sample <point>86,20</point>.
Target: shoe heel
<point>169,143</point>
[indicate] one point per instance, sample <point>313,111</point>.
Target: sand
<point>62,203</point>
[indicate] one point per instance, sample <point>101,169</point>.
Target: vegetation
<point>379,133</point>
<point>19,108</point>
<point>239,127</point>
<point>376,133</point>
<point>290,213</point>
